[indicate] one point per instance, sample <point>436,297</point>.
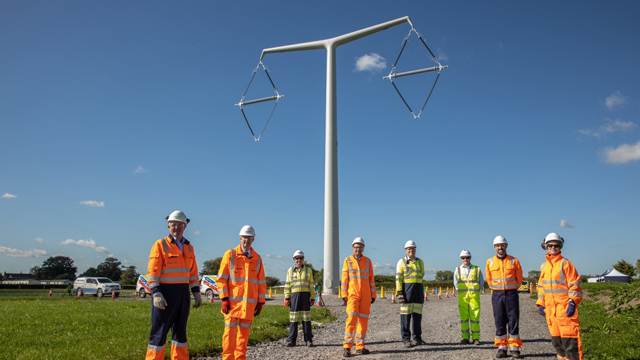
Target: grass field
<point>36,326</point>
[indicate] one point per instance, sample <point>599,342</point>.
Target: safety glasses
<point>465,258</point>
<point>558,246</point>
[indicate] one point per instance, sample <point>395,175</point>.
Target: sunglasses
<point>298,258</point>
<point>554,246</point>
<point>465,258</point>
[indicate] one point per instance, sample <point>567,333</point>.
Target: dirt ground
<point>440,327</point>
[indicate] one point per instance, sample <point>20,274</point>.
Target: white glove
<point>159,301</point>
<point>198,299</point>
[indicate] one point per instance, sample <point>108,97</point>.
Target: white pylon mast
<point>331,233</point>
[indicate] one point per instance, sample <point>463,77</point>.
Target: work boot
<point>464,342</point>
<point>418,342</point>
<point>501,353</point>
<point>476,342</point>
<point>290,344</point>
<point>362,351</point>
<point>346,352</point>
<point>408,344</point>
<point>309,343</point>
<point>516,355</point>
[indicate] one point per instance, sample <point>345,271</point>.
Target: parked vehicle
<point>97,286</point>
<point>208,286</point>
<point>524,287</point>
<point>142,287</point>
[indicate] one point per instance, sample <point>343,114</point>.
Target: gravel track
<point>440,329</point>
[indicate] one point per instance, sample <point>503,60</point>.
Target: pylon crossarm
<point>244,102</point>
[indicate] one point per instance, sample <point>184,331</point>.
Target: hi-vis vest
<point>357,278</point>
<point>410,272</point>
<point>468,282</point>
<point>299,281</point>
<point>559,282</point>
<point>168,265</point>
<point>504,274</point>
<point>242,282</point>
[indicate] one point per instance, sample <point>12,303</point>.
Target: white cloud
<point>565,224</point>
<point>370,62</point>
<point>8,196</point>
<point>615,100</point>
<point>622,154</point>
<point>441,55</point>
<point>35,253</point>
<point>196,233</point>
<point>609,127</point>
<point>93,203</point>
<point>140,170</point>
<point>279,257</point>
<point>90,243</point>
<point>384,266</point>
<point>40,240</point>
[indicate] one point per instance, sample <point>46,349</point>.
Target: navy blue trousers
<point>173,317</point>
<point>506,311</point>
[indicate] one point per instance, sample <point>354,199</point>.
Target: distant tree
<point>534,275</point>
<point>111,268</point>
<point>92,272</point>
<point>55,267</point>
<point>625,268</point>
<point>211,267</point>
<point>272,281</point>
<point>444,275</point>
<point>129,276</point>
<point>638,267</point>
<point>317,275</point>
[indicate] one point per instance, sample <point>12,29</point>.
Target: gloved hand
<point>400,298</point>
<point>159,301</point>
<point>226,307</point>
<point>345,300</point>
<point>541,310</point>
<point>373,300</point>
<point>312,302</point>
<point>258,309</point>
<point>197,299</point>
<point>287,302</point>
<point>571,310</point>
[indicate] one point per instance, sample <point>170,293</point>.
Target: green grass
<point>36,326</point>
<point>608,325</point>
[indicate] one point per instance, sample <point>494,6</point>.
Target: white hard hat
<point>410,244</point>
<point>499,240</point>
<point>247,230</point>
<point>178,216</point>
<point>553,237</point>
<point>298,253</point>
<point>465,252</point>
<point>357,240</point>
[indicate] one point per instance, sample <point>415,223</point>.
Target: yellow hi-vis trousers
<point>235,338</point>
<point>358,310</point>
<point>469,309</point>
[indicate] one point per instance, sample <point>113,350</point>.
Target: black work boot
<point>346,352</point>
<point>501,353</point>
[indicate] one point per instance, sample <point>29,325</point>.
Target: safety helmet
<point>247,230</point>
<point>553,237</point>
<point>410,244</point>
<point>178,216</point>
<point>499,240</point>
<point>298,253</point>
<point>357,240</point>
<point>465,252</point>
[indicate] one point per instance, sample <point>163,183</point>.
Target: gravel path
<point>440,327</point>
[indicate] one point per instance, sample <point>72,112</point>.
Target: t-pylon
<point>393,299</point>
<point>50,292</point>
<point>113,294</point>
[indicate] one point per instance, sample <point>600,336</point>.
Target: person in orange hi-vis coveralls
<point>242,288</point>
<point>171,274</point>
<point>504,276</point>
<point>559,295</point>
<point>359,287</point>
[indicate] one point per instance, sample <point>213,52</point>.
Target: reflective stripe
<point>556,291</point>
<point>245,325</point>
<point>358,314</point>
<point>156,347</point>
<point>174,278</point>
<point>164,245</point>
<point>223,276</point>
<point>558,282</point>
<point>178,344</point>
<point>514,336</point>
<point>577,283</point>
<point>475,322</point>
<point>231,324</point>
<point>153,278</point>
<point>252,301</point>
<point>575,293</point>
<point>174,270</point>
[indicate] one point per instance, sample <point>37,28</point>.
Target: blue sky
<point>114,114</point>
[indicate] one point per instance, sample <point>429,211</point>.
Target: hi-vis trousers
<point>355,329</point>
<point>235,338</point>
<point>469,309</point>
<point>565,332</point>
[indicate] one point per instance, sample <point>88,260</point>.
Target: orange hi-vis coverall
<point>504,277</point>
<point>241,281</point>
<point>359,287</point>
<point>173,273</point>
<point>559,282</point>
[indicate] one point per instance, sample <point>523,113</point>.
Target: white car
<point>97,286</point>
<point>208,286</point>
<point>142,287</point>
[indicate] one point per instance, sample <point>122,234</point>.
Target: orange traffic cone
<point>393,298</point>
<point>453,292</point>
<point>447,294</point>
<point>79,292</point>
<point>211,298</point>
<point>113,294</point>
<point>50,292</point>
<point>425,296</point>
<point>319,303</point>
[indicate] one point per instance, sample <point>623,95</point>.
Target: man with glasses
<point>410,294</point>
<point>504,276</point>
<point>359,287</point>
<point>468,281</point>
<point>559,295</point>
<point>299,296</point>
